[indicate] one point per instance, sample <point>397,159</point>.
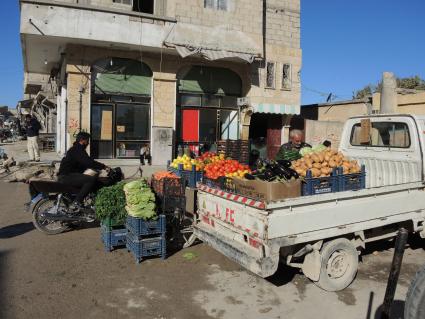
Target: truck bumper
<point>261,266</point>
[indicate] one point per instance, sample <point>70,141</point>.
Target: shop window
<point>286,77</point>
<point>270,75</point>
<point>216,4</point>
<point>383,134</point>
<point>190,100</point>
<point>145,6</point>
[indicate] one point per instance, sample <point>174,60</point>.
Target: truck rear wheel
<point>415,300</point>
<point>339,263</point>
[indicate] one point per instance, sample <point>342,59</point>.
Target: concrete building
<point>164,72</point>
<point>325,121</point>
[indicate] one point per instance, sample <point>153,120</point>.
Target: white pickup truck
<point>325,234</point>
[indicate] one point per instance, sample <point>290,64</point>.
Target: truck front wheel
<point>339,263</point>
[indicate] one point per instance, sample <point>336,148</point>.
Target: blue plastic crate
<point>320,185</point>
<point>351,182</point>
<point>113,238</point>
<point>191,177</point>
<point>140,227</point>
<point>141,248</point>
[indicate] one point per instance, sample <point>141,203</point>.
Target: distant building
<point>131,71</point>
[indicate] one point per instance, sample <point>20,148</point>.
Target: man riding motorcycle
<point>72,167</point>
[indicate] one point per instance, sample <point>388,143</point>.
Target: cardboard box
<point>267,191</point>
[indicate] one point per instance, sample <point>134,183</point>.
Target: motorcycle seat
<point>53,187</point>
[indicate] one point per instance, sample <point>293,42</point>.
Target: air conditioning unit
<point>243,101</point>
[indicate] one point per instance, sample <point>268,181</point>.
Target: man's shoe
<point>37,160</point>
<point>76,207</point>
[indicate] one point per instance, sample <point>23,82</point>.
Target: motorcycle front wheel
<point>49,227</point>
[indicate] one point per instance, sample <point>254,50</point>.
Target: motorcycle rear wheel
<point>48,227</point>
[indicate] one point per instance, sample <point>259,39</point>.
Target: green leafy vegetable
<point>110,203</point>
<point>140,200</point>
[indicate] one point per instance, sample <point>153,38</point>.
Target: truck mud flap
<point>263,267</point>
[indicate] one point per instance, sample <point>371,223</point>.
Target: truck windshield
<point>382,134</point>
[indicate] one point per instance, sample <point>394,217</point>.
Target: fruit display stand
<point>192,177</point>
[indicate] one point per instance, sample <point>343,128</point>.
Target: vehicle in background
<point>324,234</point>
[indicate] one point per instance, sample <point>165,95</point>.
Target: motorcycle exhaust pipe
<point>66,218</point>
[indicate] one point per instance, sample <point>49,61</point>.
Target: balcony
<point>48,26</point>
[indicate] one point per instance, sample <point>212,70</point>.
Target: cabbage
<point>306,150</point>
<point>318,148</point>
<point>140,200</point>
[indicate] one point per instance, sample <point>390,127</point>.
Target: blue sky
<point>346,45</point>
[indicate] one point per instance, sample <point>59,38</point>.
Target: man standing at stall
<point>32,127</point>
<point>295,144</point>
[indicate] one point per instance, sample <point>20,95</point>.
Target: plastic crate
<point>320,185</point>
<point>351,182</point>
<point>223,183</point>
<point>140,227</point>
<point>113,238</point>
<point>112,223</point>
<point>191,178</point>
<point>169,187</point>
<point>141,248</point>
<point>169,204</point>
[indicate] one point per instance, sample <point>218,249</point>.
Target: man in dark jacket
<point>73,165</point>
<point>295,144</point>
<point>32,127</point>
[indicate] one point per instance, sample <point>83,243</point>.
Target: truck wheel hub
<point>337,264</point>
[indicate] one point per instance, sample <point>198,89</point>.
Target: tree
<point>412,83</point>
<point>365,92</point>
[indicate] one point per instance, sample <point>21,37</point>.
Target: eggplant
<point>284,163</point>
<point>249,177</point>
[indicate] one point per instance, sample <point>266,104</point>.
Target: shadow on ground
<point>15,230</point>
<point>283,275</point>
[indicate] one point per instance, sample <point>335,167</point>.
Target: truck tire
<point>415,300</point>
<point>339,264</point>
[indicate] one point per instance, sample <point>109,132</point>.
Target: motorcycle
<point>50,205</point>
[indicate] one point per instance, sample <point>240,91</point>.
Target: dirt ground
<point>71,276</point>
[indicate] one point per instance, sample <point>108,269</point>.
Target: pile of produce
<point>316,149</point>
<point>271,171</point>
<point>220,167</point>
<point>110,203</point>
<point>159,179</point>
<point>187,163</point>
<point>288,155</point>
<point>208,156</point>
<point>140,200</point>
<point>323,163</point>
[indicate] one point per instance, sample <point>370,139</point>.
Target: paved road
<point>70,276</point>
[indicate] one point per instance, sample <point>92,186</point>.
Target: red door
<point>274,133</point>
<point>190,129</point>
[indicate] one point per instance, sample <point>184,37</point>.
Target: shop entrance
<point>265,134</point>
<point>119,130</point>
<point>207,108</point>
<point>120,110</point>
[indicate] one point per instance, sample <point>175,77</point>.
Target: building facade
<point>164,73</point>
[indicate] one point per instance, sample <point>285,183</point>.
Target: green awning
<point>206,80</point>
<point>122,76</point>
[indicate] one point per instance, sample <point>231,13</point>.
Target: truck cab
<point>390,146</point>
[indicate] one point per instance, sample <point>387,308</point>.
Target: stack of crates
<point>235,149</point>
<point>112,233</point>
<point>146,238</point>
